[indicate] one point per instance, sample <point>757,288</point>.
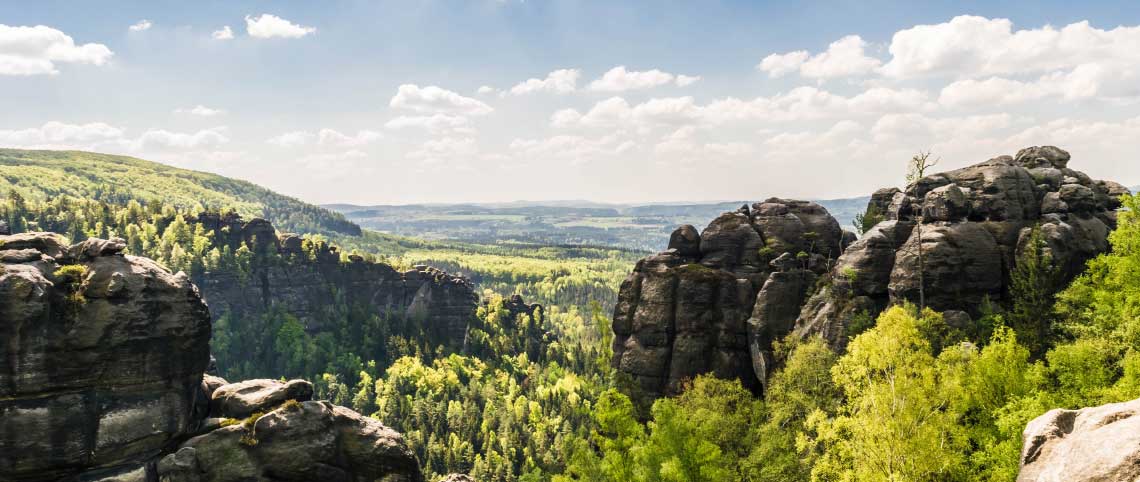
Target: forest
<point>533,398</point>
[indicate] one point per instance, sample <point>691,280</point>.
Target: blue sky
<point>309,107</point>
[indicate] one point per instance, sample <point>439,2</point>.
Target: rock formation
<point>714,302</point>
<point>976,222</point>
<point>101,378</point>
<point>304,276</point>
<point>693,308</point>
<point>1100,444</point>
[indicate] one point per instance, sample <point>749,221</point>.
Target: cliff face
<point>714,302</point>
<point>307,279</point>
<point>101,378</point>
<point>976,222</point>
<point>693,308</point>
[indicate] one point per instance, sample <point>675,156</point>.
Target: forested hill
<point>119,179</point>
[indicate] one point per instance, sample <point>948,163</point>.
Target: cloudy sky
<point>499,100</point>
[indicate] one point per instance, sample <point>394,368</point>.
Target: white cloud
<point>618,79</point>
<point>687,80</point>
<point>433,123</point>
<point>779,65</point>
<point>569,148</point>
<point>560,81</point>
<point>486,89</point>
<point>799,104</point>
<point>35,50</point>
<point>60,133</point>
<point>143,24</point>
<point>164,139</point>
<point>971,47</point>
<point>200,110</point>
<point>432,99</point>
<point>843,58</point>
<point>330,137</point>
<point>270,26</point>
<point>292,139</point>
<point>224,33</point>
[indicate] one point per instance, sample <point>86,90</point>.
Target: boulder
<point>961,262</point>
<point>686,240</point>
<point>241,399</point>
<point>1099,444</point>
<point>946,203</point>
<point>297,442</point>
<point>1042,156</point>
<point>457,478</point>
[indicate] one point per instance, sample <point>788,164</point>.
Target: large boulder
<point>1097,444</point>
<point>102,357</point>
<point>296,442</point>
<point>102,374</point>
<point>960,266</point>
<point>683,313</point>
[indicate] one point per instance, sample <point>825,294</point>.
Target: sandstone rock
<point>101,374</point>
<point>1078,198</point>
<point>457,478</point>
<point>89,384</point>
<point>946,203</point>
<point>680,315</point>
<point>1091,444</point>
<point>686,240</point>
<point>962,265</point>
<point>301,442</point>
<point>239,400</point>
<point>1043,156</point>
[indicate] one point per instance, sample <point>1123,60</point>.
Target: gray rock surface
<point>1096,444</point>
<point>102,375</point>
<point>975,223</point>
<point>681,314</point>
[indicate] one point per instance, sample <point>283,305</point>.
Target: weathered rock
<point>976,221</point>
<point>1100,444</point>
<point>296,442</point>
<point>686,240</point>
<point>101,375</point>
<point>679,316</point>
<point>99,365</point>
<point>457,478</point>
<point>241,399</point>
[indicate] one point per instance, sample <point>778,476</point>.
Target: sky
<point>381,102</point>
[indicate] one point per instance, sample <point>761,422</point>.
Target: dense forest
<point>532,397</point>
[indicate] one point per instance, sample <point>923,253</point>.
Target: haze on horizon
<point>497,100</point>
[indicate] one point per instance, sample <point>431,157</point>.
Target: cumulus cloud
<point>270,26</point>
<point>200,110</point>
<point>157,139</point>
<point>224,33</point>
<point>486,89</point>
<point>447,149</point>
<point>60,133</point>
<point>560,81</point>
<point>618,79</point>
<point>143,24</point>
<point>687,80</point>
<point>434,100</point>
<point>36,50</point>
<point>970,46</point>
<point>799,104</point>
<point>573,149</point>
<point>843,58</point>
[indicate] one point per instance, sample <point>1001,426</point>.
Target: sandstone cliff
<point>101,378</point>
<point>307,278</point>
<point>1097,444</point>
<point>715,301</point>
<point>694,308</point>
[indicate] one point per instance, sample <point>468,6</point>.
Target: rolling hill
<point>119,179</point>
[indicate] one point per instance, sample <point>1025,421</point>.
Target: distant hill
<point>635,226</point>
<point>120,179</point>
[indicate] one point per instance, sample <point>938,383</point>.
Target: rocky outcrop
<point>975,223</point>
<point>1097,444</point>
<point>715,302</point>
<point>303,276</point>
<point>693,308</point>
<point>101,376</point>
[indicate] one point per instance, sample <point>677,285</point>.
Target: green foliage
<point>868,219</point>
<point>1033,283</point>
